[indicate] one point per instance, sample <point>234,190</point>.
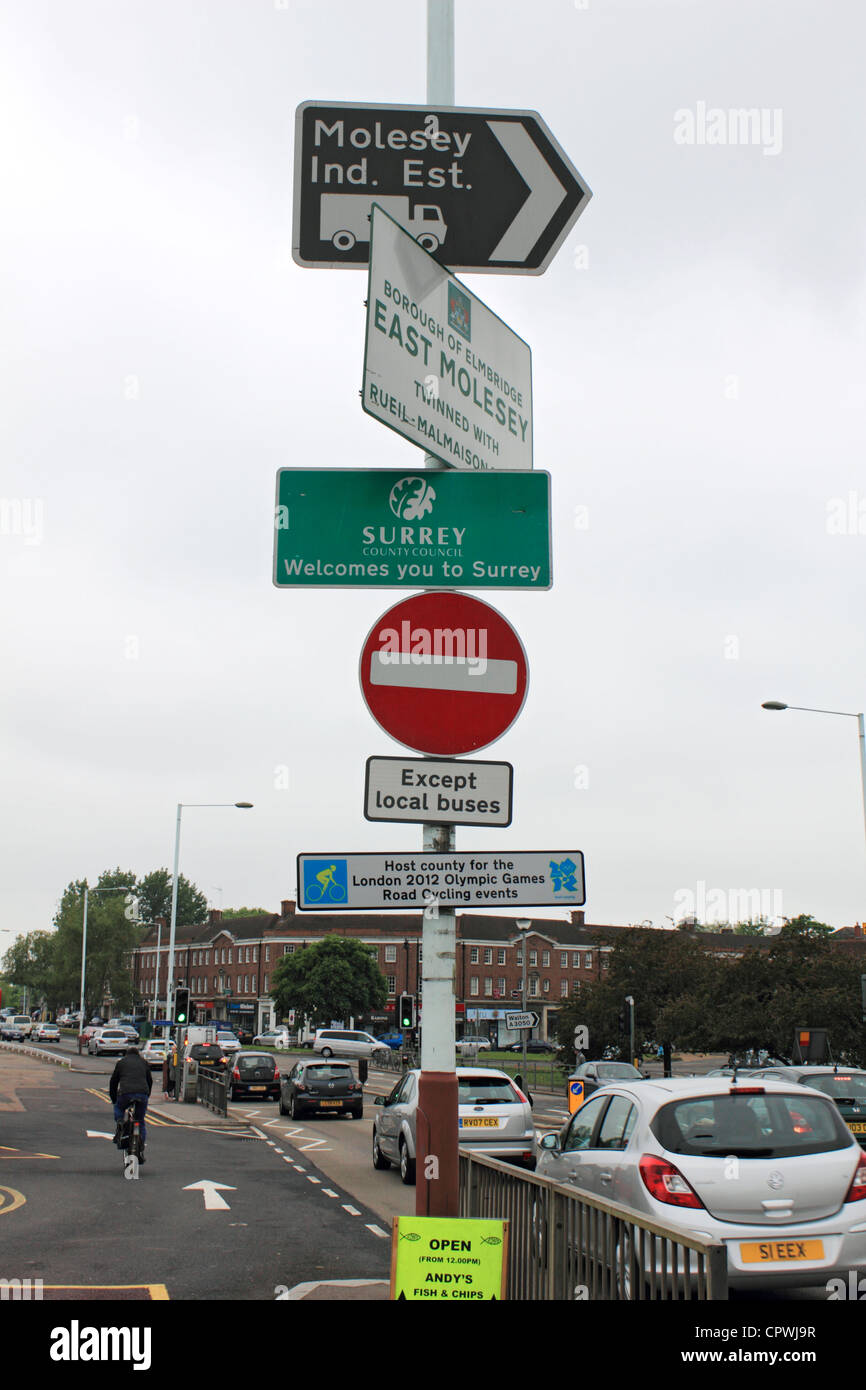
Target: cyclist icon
<point>326,888</point>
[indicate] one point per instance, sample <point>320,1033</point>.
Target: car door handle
<point>605,1177</point>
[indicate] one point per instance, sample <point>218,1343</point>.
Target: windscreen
<point>842,1086</point>
<point>750,1126</point>
<point>486,1090</point>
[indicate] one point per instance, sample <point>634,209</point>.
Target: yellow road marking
<point>151,1119</point>
<point>158,1292</point>
<point>15,1199</point>
<point>6,1152</point>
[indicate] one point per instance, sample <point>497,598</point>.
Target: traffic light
<point>406,1011</point>
<point>181,1005</point>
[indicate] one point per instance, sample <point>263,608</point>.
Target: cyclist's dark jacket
<point>131,1077</point>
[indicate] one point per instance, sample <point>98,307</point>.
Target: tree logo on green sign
<point>411,499</point>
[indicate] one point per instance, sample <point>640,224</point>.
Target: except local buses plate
<point>764,1251</point>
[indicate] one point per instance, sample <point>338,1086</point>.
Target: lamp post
<point>124,889</point>
<point>169,981</point>
<point>844,714</point>
<point>524,926</point>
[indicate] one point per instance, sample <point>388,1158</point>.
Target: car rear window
<point>750,1126</point>
<point>327,1073</point>
<point>841,1086</point>
<point>486,1090</point>
<point>248,1066</point>
<point>616,1071</point>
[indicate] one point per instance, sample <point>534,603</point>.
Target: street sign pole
<point>437,1191</point>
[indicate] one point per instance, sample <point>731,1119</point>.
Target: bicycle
<point>327,889</point>
<point>130,1142</point>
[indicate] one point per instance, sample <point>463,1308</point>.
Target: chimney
<point>287,907</point>
<point>577,917</point>
<point>215,914</point>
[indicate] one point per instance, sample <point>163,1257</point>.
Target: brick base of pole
<point>437,1191</point>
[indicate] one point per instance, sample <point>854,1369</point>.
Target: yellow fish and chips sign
<point>448,1258</point>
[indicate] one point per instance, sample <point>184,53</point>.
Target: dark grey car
<point>321,1088</point>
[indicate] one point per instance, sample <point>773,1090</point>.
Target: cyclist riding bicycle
<point>131,1080</point>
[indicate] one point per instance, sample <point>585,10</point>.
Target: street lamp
<point>123,889</point>
<point>844,714</point>
<point>241,806</point>
<point>524,926</point>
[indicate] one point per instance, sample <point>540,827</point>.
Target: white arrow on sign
<point>211,1191</point>
<point>545,192</point>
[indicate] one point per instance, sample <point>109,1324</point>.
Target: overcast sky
<point>699,400</point>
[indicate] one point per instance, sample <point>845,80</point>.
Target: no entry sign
<point>443,673</point>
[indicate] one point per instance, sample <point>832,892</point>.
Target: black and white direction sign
<point>487,191</point>
<point>444,791</point>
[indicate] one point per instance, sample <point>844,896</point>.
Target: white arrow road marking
<point>211,1192</point>
<point>545,191</point>
<point>98,1134</point>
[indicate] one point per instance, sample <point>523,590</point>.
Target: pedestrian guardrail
<point>213,1089</point>
<point>566,1245</point>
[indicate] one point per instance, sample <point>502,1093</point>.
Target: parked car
<point>597,1074</point>
<point>321,1088</point>
<point>154,1053</point>
<point>346,1042</point>
<point>392,1040</point>
<point>279,1037</point>
<point>846,1086</point>
<point>46,1032</point>
<point>494,1117</point>
<point>788,1212</point>
<point>533,1045</point>
<point>254,1074</point>
<point>16,1028</point>
<point>469,1044</point>
<point>107,1042</point>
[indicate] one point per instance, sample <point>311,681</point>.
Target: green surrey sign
<point>393,529</point>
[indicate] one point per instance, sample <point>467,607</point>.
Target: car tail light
<point>524,1099</point>
<point>857,1190</point>
<point>746,1091</point>
<point>666,1183</point>
<point>299,1086</point>
<point>276,1073</point>
<point>236,1076</point>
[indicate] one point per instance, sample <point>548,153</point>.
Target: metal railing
<point>566,1245</point>
<point>213,1089</point>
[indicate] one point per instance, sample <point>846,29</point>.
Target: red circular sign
<point>444,673</point>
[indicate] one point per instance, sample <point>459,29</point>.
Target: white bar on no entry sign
<point>425,672</point>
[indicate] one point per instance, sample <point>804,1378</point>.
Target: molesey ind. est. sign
<point>487,191</point>
<point>441,368</point>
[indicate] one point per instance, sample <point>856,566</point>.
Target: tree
<point>669,975</point>
<point>335,978</point>
<point>230,913</point>
<point>154,894</point>
<point>30,963</point>
<point>111,935</point>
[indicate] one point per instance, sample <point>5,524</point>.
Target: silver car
<point>767,1168</point>
<point>494,1117</point>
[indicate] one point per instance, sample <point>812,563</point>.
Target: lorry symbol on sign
<point>345,219</point>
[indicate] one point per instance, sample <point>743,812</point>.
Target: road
<point>71,1219</point>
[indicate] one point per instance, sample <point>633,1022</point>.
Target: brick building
<point>228,964</point>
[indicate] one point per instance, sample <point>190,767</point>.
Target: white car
<point>348,1042</point>
<point>768,1169</point>
<point>228,1042</point>
<point>473,1044</point>
<point>107,1042</point>
<point>278,1038</point>
<point>155,1052</point>
<point>46,1032</point>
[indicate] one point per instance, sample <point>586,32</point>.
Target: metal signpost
<point>394,529</point>
<point>487,191</point>
<point>455,791</point>
<point>439,367</point>
<point>338,882</point>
